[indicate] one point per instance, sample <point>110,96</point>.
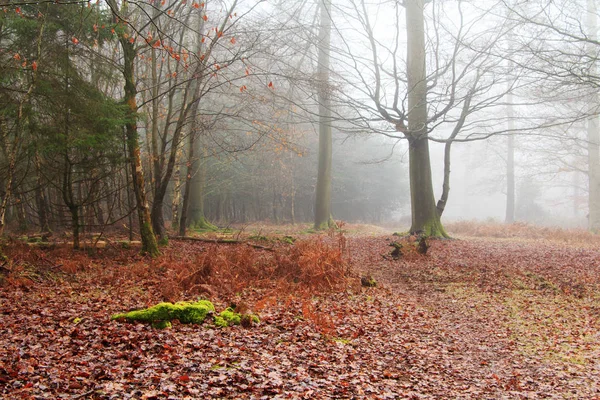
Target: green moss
<point>162,325</point>
<point>163,241</point>
<point>149,244</point>
<point>185,312</point>
<point>202,225</point>
<point>259,237</point>
<point>227,318</point>
<point>340,340</point>
<point>368,281</point>
<point>288,239</point>
<point>434,228</point>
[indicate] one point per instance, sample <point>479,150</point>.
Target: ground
<point>479,317</point>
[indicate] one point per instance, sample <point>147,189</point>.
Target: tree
<point>323,194</point>
<point>149,243</point>
<point>563,56</point>
<point>439,91</point>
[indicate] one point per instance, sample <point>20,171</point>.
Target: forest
<point>299,199</point>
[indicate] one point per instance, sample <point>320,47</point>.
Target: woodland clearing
<point>498,313</point>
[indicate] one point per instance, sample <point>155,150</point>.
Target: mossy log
<point>185,312</point>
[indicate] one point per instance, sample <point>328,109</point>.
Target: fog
<point>226,112</point>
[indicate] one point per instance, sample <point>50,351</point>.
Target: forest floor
<point>498,313</point>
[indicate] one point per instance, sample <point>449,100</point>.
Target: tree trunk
<point>323,196</point>
<point>510,179</point>
<point>425,217</point>
<point>149,243</point>
<point>593,133</point>
<point>75,226</point>
<point>594,174</point>
<point>510,163</point>
<point>176,198</point>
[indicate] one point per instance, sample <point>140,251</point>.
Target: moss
<point>185,312</point>
<point>227,318</point>
<point>202,225</point>
<point>397,252</point>
<point>149,244</point>
<point>162,325</point>
<point>288,239</point>
<point>340,340</point>
<point>163,241</point>
<point>259,238</point>
<point>368,281</point>
<point>434,228</point>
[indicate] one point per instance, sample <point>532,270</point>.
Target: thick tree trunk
<point>425,217</point>
<point>323,195</point>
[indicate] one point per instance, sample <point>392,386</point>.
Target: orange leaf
<point>132,40</point>
<point>232,40</point>
<point>195,5</point>
<point>34,66</point>
<point>17,56</point>
<point>18,10</point>
<point>205,17</point>
<point>74,40</point>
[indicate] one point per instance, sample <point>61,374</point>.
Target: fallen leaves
<point>474,318</point>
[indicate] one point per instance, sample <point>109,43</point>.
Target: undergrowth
<point>521,230</point>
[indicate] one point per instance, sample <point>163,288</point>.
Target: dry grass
<point>521,230</point>
<point>316,265</point>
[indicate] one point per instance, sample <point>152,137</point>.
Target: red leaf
<point>74,40</point>
<point>184,378</point>
<point>34,66</point>
<point>205,17</point>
